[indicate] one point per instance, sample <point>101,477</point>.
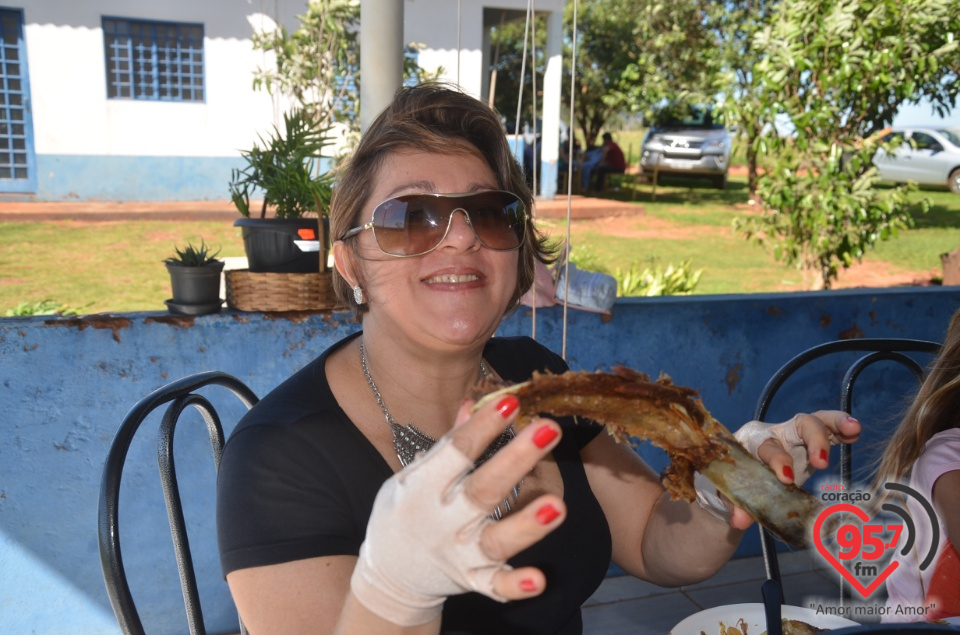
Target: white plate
<point>709,620</point>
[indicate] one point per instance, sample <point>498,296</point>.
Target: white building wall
<point>91,147</point>
<point>455,36</point>
<point>71,112</point>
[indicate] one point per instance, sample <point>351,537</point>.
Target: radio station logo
<point>859,545</point>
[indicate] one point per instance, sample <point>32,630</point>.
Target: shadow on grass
<point>944,210</point>
<point>682,191</point>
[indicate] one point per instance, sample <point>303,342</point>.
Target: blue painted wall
<point>65,384</point>
<point>62,177</point>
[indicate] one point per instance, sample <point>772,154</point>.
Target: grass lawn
<point>114,266</point>
<point>689,221</point>
<point>117,266</point>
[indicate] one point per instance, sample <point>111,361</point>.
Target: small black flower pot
<point>282,245</point>
<point>196,290</point>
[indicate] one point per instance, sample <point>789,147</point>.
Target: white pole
<point>381,56</point>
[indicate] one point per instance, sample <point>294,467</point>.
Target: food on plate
<point>739,629</point>
<point>796,627</point>
<point>671,417</point>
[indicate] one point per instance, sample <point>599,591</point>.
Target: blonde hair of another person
<point>935,408</point>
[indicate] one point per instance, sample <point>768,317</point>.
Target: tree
<point>631,54</point>
<point>836,71</point>
<point>316,64</point>
<point>735,25</point>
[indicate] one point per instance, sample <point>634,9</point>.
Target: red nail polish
<point>547,514</point>
<point>544,436</point>
<point>507,406</point>
<point>788,472</point>
<point>527,585</point>
<point>823,455</point>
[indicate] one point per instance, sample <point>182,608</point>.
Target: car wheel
<point>720,182</point>
<point>954,181</point>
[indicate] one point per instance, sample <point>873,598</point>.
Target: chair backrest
<point>895,350</point>
<point>180,394</point>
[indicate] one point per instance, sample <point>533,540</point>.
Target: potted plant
<point>195,280</point>
<point>283,169</point>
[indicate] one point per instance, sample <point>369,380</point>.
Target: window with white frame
<point>161,61</point>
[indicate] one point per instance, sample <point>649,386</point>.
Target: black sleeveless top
<point>297,480</point>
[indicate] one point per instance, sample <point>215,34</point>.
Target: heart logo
<point>864,591</point>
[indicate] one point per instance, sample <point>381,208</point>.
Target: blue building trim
<point>67,177</point>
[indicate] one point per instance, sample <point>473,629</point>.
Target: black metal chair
<point>875,350</point>
<point>180,394</point>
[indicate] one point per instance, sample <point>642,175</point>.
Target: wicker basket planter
<point>248,291</point>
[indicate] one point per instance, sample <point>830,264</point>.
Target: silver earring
<point>358,295</point>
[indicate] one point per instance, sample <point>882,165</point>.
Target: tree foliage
<point>735,24</point>
<point>836,71</point>
<point>630,55</point>
<point>316,65</point>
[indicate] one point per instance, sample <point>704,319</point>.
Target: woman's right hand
<point>430,534</point>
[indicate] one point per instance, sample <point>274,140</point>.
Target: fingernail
<point>823,455</point>
<point>527,585</point>
<point>788,472</point>
<point>543,436</point>
<point>507,406</point>
<point>547,514</point>
<point>853,419</point>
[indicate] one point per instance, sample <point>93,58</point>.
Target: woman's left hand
<point>796,448</point>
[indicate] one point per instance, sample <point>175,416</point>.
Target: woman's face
<point>454,295</point>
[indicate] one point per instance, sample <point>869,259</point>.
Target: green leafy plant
<point>43,307</point>
<point>832,75</point>
<point>674,280</point>
<point>283,168</point>
<point>193,256</point>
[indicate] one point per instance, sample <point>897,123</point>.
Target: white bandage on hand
<point>423,541</point>
<point>751,435</point>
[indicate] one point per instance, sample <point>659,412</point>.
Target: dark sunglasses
<point>415,224</point>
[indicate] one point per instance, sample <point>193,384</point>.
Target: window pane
<point>166,59</point>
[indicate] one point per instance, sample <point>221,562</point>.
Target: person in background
<point>612,161</point>
<point>363,494</point>
<point>926,448</point>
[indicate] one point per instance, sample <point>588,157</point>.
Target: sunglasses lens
<point>497,219</point>
<point>408,225</point>
<point>415,224</point>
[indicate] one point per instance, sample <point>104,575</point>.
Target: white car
<point>926,155</point>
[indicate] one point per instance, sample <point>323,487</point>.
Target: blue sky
<point>922,114</point>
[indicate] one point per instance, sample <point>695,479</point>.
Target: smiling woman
<point>364,495</point>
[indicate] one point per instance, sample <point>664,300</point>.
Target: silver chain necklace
<point>408,441</point>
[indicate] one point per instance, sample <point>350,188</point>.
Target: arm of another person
<point>946,500</point>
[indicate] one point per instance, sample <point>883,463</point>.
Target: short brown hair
<point>427,118</point>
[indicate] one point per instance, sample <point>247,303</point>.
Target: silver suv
<point>692,146</point>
